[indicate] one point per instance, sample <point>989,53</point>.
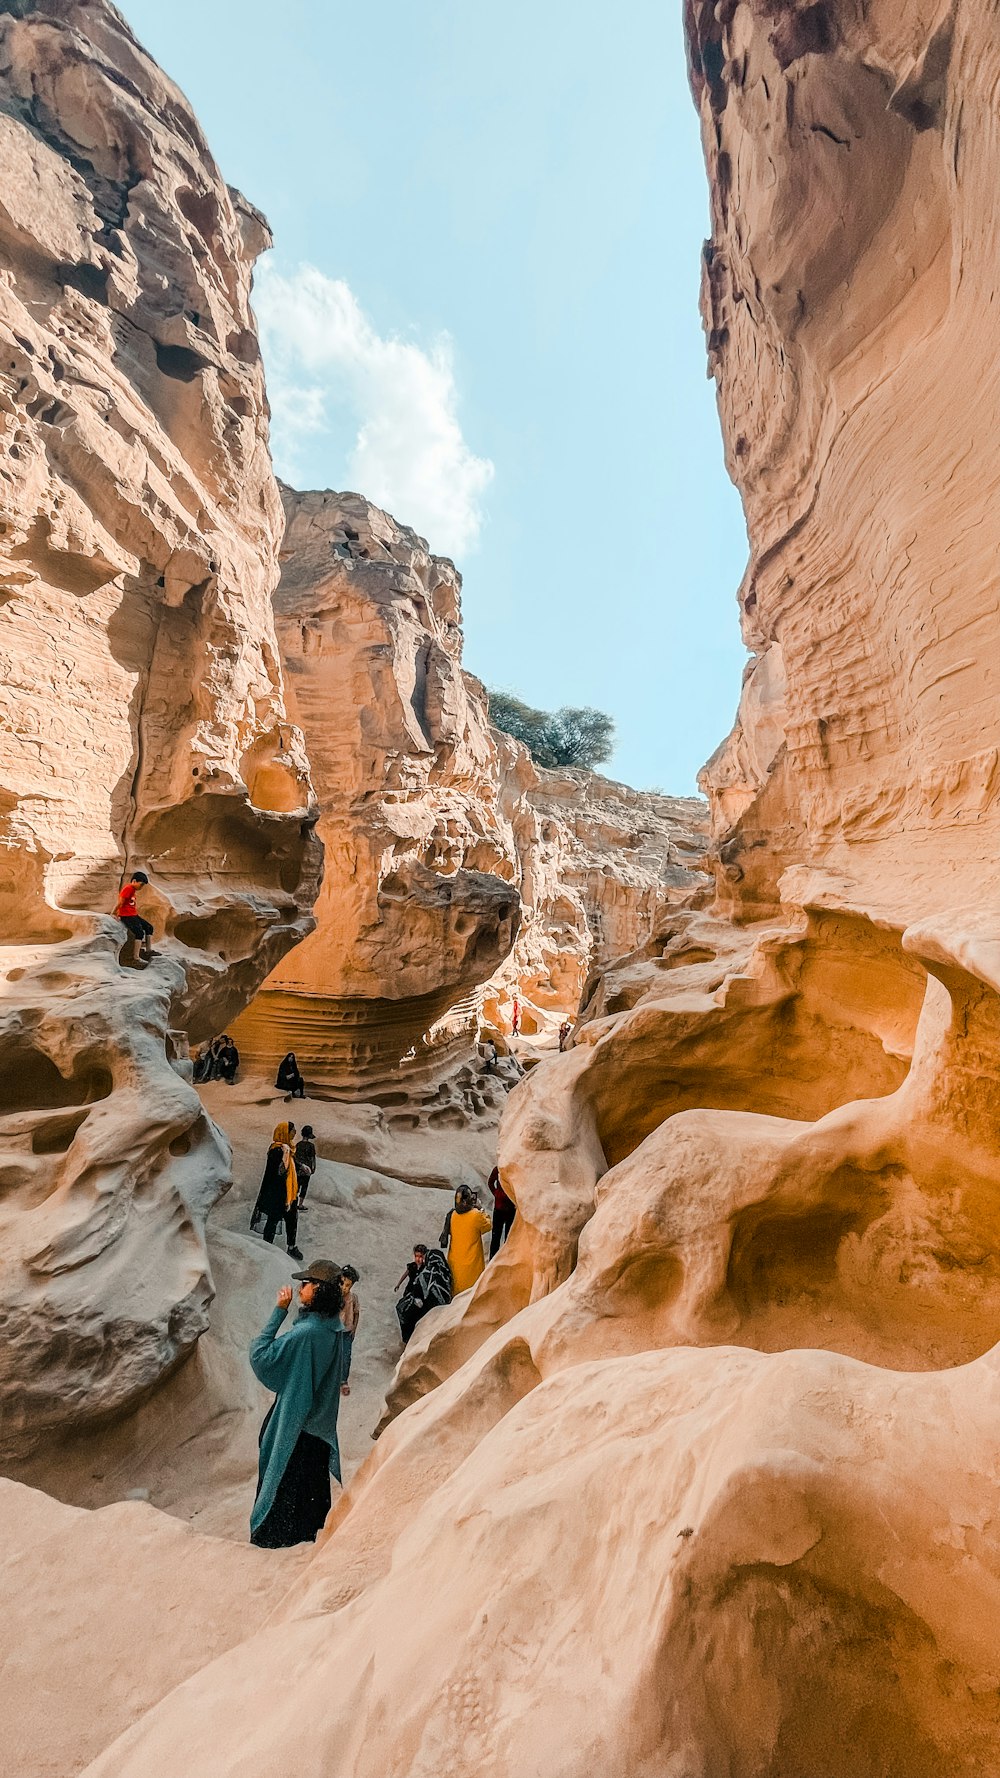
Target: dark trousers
<point>290,1218</point>
<point>502,1220</point>
<point>304,1178</point>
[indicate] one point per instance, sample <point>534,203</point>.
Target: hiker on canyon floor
<point>305,1161</point>
<point>462,1239</point>
<point>428,1287</point>
<point>504,1212</point>
<point>126,911</point>
<point>350,1313</point>
<point>515,1017</point>
<point>227,1061</point>
<point>278,1197</point>
<point>307,1370</point>
<point>289,1080</point>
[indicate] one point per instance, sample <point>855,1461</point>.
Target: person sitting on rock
<point>299,1449</point>
<point>130,917</point>
<point>462,1239</point>
<point>227,1061</point>
<point>289,1080</point>
<point>277,1199</point>
<point>202,1067</point>
<point>305,1161</point>
<point>428,1287</point>
<point>504,1212</point>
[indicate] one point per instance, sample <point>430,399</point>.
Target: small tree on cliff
<point>566,737</point>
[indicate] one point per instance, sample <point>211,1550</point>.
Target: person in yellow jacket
<point>462,1239</point>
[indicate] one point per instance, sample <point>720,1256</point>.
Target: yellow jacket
<point>465,1247</point>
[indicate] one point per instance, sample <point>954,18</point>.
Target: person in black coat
<point>288,1080</point>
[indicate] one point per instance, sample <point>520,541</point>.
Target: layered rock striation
<point>141,714</point>
<point>714,1433</point>
<point>443,841</point>
<point>419,900</point>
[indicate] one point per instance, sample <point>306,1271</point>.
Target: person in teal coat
<point>307,1368</point>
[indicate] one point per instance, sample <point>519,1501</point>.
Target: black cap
<point>319,1271</point>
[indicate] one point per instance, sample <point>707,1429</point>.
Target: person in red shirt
<point>504,1211</point>
<point>130,917</point>
<point>515,1017</point>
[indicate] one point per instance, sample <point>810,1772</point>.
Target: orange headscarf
<point>282,1138</point>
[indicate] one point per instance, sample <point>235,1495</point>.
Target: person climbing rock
<point>126,911</point>
<point>564,1034</point>
<point>428,1287</point>
<point>288,1079</point>
<point>504,1212</point>
<point>307,1370</point>
<point>305,1161</point>
<point>489,1050</point>
<point>350,1313</point>
<point>278,1197</point>
<point>462,1239</point>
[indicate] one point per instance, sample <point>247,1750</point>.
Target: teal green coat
<point>305,1368</point>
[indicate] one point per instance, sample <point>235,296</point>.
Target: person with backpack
<point>428,1286</point>
<point>307,1371</point>
<point>305,1161</point>
<point>462,1239</point>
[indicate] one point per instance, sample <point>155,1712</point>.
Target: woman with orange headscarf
<point>278,1198</point>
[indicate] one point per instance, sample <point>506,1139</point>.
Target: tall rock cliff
<point>710,1459</point>
<point>419,902</point>
<point>441,837</point>
<point>141,713</point>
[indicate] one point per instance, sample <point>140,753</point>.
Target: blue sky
<point>482,302</point>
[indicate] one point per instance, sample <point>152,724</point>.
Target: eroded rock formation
<point>142,718</point>
<point>778,1129</point>
<point>600,865</point>
<point>419,902</point>
<point>701,1478</point>
<point>441,836</point>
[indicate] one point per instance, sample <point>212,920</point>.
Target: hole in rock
<point>179,362</point>
<point>30,1081</point>
<point>56,1133</point>
<point>270,778</point>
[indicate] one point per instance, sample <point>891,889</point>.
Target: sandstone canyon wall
<point>142,714</point>
<point>706,1461</point>
<point>419,900</point>
<point>443,841</point>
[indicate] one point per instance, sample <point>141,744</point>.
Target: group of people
<point>308,1368</point>
<point>288,1168</point>
<point>435,1274</point>
<point>218,1060</point>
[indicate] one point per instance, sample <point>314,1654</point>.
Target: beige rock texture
<point>599,865</point>
<point>419,900</point>
<point>141,713</point>
<point>698,1481</point>
<point>443,840</point>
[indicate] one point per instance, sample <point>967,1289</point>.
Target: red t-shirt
<point>126,900</point>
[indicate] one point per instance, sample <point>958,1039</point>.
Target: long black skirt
<point>302,1500</point>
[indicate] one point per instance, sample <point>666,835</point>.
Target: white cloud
<point>409,455</point>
